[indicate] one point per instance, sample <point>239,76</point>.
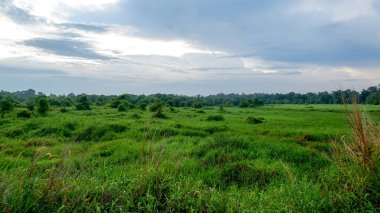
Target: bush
<point>122,108</point>
<point>142,106</point>
<point>215,118</point>
<point>156,107</point>
<point>253,120</point>
<point>6,106</point>
<point>43,106</point>
<point>30,106</point>
<point>159,114</point>
<point>24,114</point>
<point>64,110</point>
<point>115,104</point>
<point>83,104</point>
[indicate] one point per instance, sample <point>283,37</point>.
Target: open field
<point>287,158</point>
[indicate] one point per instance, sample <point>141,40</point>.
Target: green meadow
<point>287,158</point>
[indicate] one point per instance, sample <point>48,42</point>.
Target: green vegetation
<point>257,100</point>
<point>43,105</point>
<point>207,159</point>
<point>6,106</point>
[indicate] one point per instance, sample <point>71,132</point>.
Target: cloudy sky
<point>189,46</point>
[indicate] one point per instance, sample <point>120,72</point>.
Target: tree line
<point>30,98</point>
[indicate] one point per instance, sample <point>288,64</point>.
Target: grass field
<point>285,157</point>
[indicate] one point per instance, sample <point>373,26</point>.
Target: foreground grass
<point>104,160</point>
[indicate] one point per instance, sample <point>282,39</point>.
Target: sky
<point>189,46</point>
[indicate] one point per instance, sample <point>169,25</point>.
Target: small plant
<point>254,120</point>
<point>24,114</point>
<point>215,118</point>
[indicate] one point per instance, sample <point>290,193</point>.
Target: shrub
<point>142,106</point>
<point>115,103</point>
<point>6,106</point>
<point>64,110</point>
<point>30,106</point>
<point>156,106</point>
<point>83,104</point>
<point>215,118</point>
<point>122,108</point>
<point>43,106</point>
<point>24,114</point>
<point>159,114</point>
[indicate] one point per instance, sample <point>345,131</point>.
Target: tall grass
<point>364,145</point>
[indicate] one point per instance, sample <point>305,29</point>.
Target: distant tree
<point>43,106</point>
<point>6,106</point>
<point>83,104</point>
<point>66,102</point>
<point>374,98</point>
<point>197,104</point>
<point>257,103</point>
<point>54,102</point>
<point>244,104</point>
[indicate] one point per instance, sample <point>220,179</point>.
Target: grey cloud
<point>17,14</point>
<point>84,27</point>
<point>272,30</point>
<point>7,71</point>
<point>66,47</point>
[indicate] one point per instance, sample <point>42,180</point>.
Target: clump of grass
<point>159,114</point>
<point>250,174</point>
<point>364,145</point>
<point>135,116</point>
<point>64,110</point>
<point>215,118</point>
<point>254,120</point>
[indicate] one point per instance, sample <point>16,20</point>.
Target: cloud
<point>65,47</point>
<point>205,45</point>
<point>83,27</point>
<point>327,32</point>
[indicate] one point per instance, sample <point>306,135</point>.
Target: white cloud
<point>120,44</point>
<point>60,10</point>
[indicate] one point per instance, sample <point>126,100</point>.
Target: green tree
<point>6,106</point>
<point>43,106</point>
